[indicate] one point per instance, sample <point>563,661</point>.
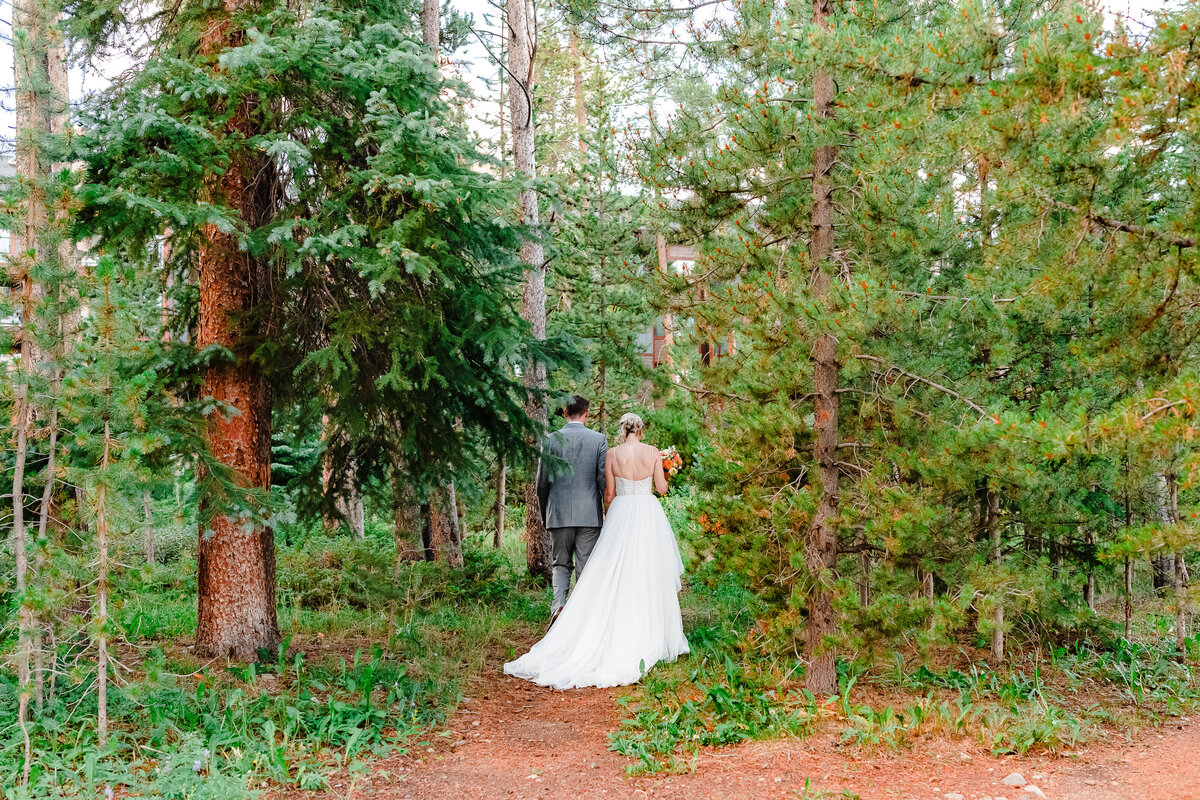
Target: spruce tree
<point>375,273</point>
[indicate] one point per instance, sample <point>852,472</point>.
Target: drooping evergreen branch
<point>889,368</point>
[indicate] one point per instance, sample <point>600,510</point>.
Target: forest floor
<point>511,739</point>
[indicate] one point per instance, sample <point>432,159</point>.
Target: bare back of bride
<point>623,617</point>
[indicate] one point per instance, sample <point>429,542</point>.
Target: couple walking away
<point>623,617</point>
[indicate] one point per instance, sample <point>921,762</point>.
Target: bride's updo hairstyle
<point>629,424</point>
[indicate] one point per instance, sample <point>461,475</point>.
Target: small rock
<point>964,757</point>
<point>953,796</point>
<point>1035,791</point>
<point>1014,779</point>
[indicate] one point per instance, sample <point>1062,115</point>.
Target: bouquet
<point>672,462</point>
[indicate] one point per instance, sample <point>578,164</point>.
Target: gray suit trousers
<point>570,549</point>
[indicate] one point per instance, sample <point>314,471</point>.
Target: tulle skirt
<point>623,617</point>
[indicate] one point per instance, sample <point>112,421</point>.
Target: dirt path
<point>514,740</point>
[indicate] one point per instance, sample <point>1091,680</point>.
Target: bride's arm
<point>660,477</point>
<point>610,483</point>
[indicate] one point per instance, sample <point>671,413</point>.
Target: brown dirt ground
<point>511,739</point>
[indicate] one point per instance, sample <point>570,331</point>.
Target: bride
<point>623,617</point>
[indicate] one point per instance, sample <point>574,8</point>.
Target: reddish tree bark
<point>822,545</point>
<point>237,559</point>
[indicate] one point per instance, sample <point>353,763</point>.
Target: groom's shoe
<point>554,618</point>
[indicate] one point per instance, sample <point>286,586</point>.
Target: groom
<point>572,501</point>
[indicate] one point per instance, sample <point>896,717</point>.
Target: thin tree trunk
<point>148,529</point>
<point>577,85</point>
<point>58,113</point>
<point>1181,605</point>
<point>501,492</point>
<point>21,557</point>
<point>39,560</point>
<point>864,588</point>
<point>985,226</point>
<point>44,511</point>
<point>1180,565</point>
<point>822,546</point>
<point>347,496</point>
<point>503,81</point>
<point>602,363</point>
<point>1128,599</point>
<point>1089,588</point>
<point>31,80</point>
<point>427,532</point>
<point>102,595</point>
<point>522,36</point>
<point>443,522</point>
<point>660,247</point>
<point>1128,563</point>
<point>406,512</point>
<point>1163,565</point>
<point>994,533</point>
<point>406,518</point>
<point>431,25</point>
<point>1163,572</point>
<point>236,565</point>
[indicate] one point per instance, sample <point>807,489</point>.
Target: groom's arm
<point>543,489</point>
<point>601,475</point>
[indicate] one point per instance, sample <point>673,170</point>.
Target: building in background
<point>655,342</point>
<point>9,317</point>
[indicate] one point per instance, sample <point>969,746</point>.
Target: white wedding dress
<point>623,617</point>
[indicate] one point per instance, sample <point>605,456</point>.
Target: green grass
<point>736,686</point>
<point>715,696</point>
<point>368,667</point>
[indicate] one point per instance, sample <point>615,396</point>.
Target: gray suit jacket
<point>575,498</point>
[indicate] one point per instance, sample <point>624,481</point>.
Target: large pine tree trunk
<point>236,580</point>
<point>822,544</point>
<point>521,38</point>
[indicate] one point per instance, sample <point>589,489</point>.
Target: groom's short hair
<point>577,406</point>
